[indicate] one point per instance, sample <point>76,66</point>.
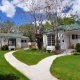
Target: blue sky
<point>9,10</point>
<point>17,18</point>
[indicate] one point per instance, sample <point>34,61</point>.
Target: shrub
<point>5,47</point>
<point>17,48</point>
<point>52,51</point>
<point>77,47</point>
<point>32,47</point>
<point>76,53</point>
<point>71,46</point>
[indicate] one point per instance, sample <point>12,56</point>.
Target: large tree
<point>36,16</point>
<point>7,26</point>
<point>28,30</point>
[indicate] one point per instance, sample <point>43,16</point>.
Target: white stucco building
<point>68,35</point>
<point>13,40</point>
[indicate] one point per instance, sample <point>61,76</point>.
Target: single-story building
<point>68,35</point>
<point>13,40</point>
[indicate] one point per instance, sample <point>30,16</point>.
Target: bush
<point>77,47</point>
<point>71,46</point>
<point>32,47</point>
<point>17,48</point>
<point>76,53</point>
<point>5,47</point>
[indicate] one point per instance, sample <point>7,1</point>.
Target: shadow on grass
<point>8,77</point>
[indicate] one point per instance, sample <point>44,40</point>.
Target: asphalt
<point>41,71</point>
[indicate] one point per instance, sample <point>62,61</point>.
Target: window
<point>75,36</point>
<point>51,40</point>
<point>23,41</point>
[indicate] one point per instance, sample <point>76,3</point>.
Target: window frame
<point>50,39</point>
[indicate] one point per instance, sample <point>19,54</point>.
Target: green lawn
<point>7,72</point>
<point>66,68</point>
<point>31,57</point>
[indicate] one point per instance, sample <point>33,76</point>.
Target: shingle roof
<point>74,26</point>
<point>13,35</point>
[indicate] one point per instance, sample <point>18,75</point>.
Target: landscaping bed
<point>66,67</point>
<point>7,72</point>
<point>31,57</point>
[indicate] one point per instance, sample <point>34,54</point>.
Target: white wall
<point>24,44</point>
<point>73,41</point>
<point>63,40</point>
<point>4,41</point>
<point>18,42</point>
<point>44,40</point>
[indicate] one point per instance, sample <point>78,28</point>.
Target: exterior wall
<point>24,44</point>
<point>44,40</point>
<point>74,41</point>
<point>68,34</point>
<point>4,41</point>
<point>45,45</point>
<point>63,40</point>
<point>18,42</point>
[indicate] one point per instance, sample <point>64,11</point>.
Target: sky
<point>11,9</point>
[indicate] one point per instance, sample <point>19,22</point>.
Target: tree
<point>53,10</point>
<point>7,26</point>
<point>35,15</point>
<point>27,30</point>
<point>65,21</point>
<point>47,26</point>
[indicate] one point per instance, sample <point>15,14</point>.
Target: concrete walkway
<point>41,71</point>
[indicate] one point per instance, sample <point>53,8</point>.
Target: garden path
<point>41,71</point>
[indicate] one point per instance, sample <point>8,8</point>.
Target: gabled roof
<point>13,35</point>
<point>74,26</point>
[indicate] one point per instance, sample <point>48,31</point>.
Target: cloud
<point>8,8</point>
<point>74,10</point>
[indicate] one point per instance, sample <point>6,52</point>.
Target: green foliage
<point>5,47</point>
<point>66,68</point>
<point>76,53</point>
<point>28,30</point>
<point>77,47</point>
<point>65,21</point>
<point>47,26</point>
<point>31,57</point>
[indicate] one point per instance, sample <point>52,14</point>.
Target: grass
<point>31,57</point>
<point>66,68</point>
<point>7,72</point>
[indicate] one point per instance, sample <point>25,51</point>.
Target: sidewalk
<point>41,71</point>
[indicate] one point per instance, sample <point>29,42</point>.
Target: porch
<point>11,43</point>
